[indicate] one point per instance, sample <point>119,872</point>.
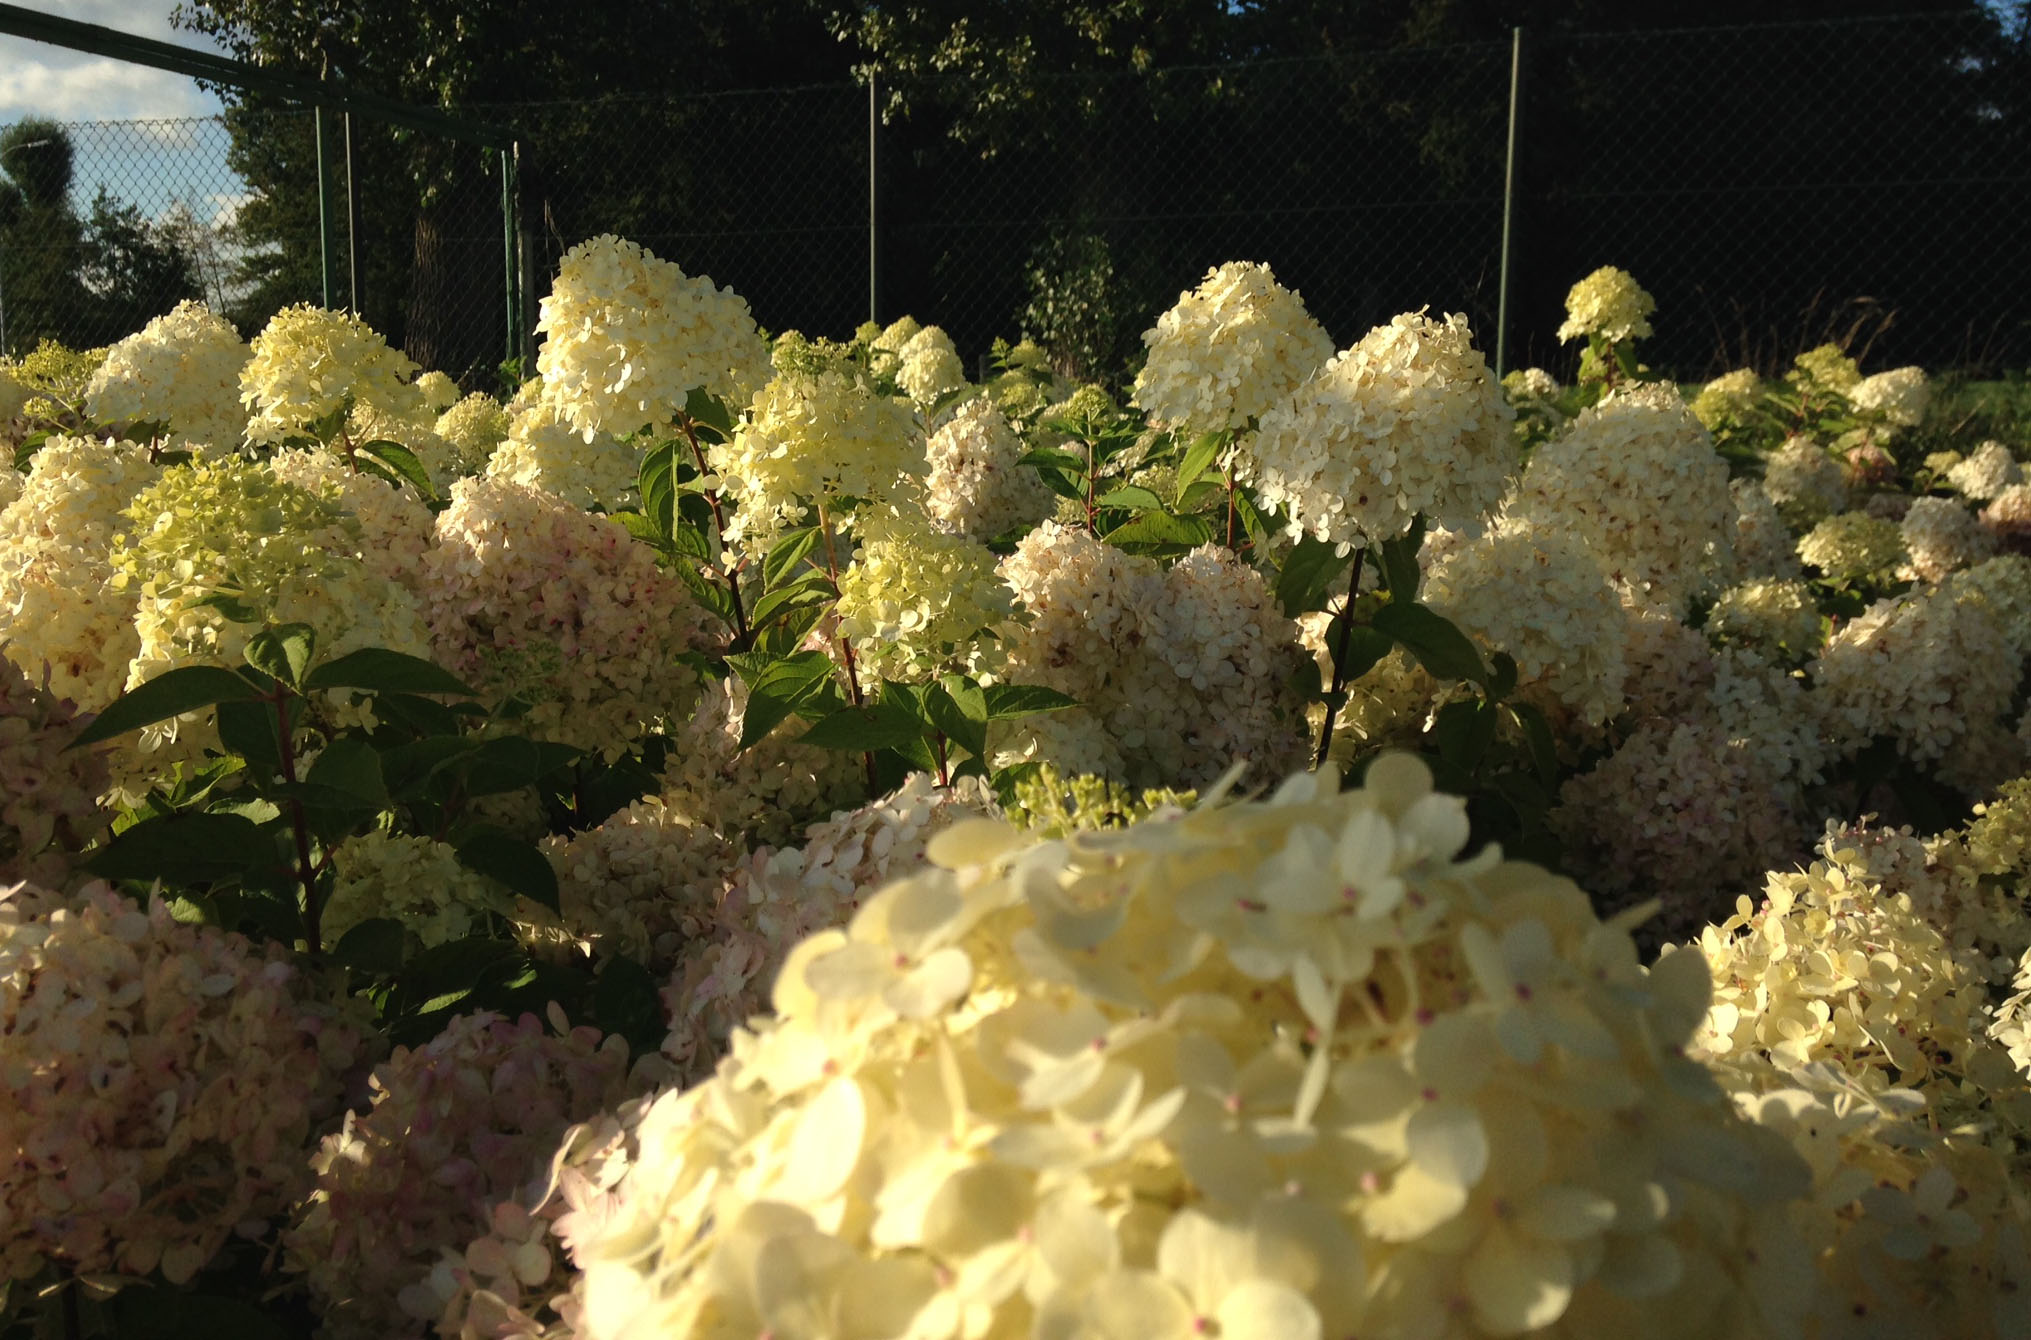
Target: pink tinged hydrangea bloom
<point>629,336</point>
<point>1227,351</point>
<point>458,1124</point>
<point>158,1084</point>
<point>530,597</point>
<point>1408,421</point>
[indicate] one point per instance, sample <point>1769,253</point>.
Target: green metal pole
<point>1509,201</point>
<point>873,120</point>
<point>324,238</point>
<point>512,269</point>
<point>352,223</point>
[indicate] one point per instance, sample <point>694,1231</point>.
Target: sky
<point>164,157</point>
<point>37,79</point>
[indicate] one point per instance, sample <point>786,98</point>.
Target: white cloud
<point>37,79</point>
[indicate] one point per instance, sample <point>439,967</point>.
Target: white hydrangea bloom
<point>545,451</point>
<point>1986,471</point>
<point>1852,545</point>
<point>1184,671</point>
<point>976,487</point>
<point>1941,535</point>
<point>2004,585</point>
<point>440,459</point>
<point>1539,595</point>
<point>60,613</point>
<point>181,370</point>
<point>13,397</point>
<point>915,600</point>
<point>1804,481</point>
<point>1609,303</point>
<point>309,363</point>
<point>824,437</point>
<point>1775,616</point>
<point>436,393</point>
<point>473,427</point>
<point>928,367</point>
<point>413,880</point>
<point>1764,545</point>
<point>645,883</point>
<point>1531,384</point>
<point>1930,671</point>
<point>628,337</point>
<point>1900,396</point>
<point>1637,481</point>
<point>1227,351</point>
<point>1407,421</point>
<point>395,524</point>
<point>1727,398</point>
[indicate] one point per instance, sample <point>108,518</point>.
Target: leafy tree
<point>41,236</point>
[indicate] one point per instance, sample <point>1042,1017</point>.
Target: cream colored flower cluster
<point>1727,399</point>
<point>765,792</point>
<point>436,392</point>
<point>1227,351</point>
<point>2008,517</point>
<point>644,884</point>
<point>1636,480</point>
<point>309,363</point>
<point>440,460</point>
<point>474,427</point>
<point>1941,536</point>
<point>1898,397</point>
<point>233,529</point>
<point>1530,384</point>
<point>823,437</point>
<point>48,791</point>
<point>1177,673</point>
<point>1986,471</point>
<point>628,337</point>
<point>413,880</point>
<point>915,600</point>
<point>1804,481</point>
<point>975,487</point>
<point>1777,618</point>
<point>1691,806</point>
<point>928,367</point>
<point>1850,546</point>
<point>1609,303</point>
<point>456,1125</point>
<point>778,898</point>
<point>1825,368</point>
<point>1285,1069</point>
<point>1408,421</point>
<point>544,450</point>
<point>395,524</point>
<point>1931,671</point>
<point>61,617</point>
<point>1764,544</point>
<point>182,371</point>
<point>1541,596</point>
<point>158,1084</point>
<point>529,597</point>
<point>14,397</point>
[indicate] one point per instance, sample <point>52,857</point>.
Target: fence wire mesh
<point>1773,186</point>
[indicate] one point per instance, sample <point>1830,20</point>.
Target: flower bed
<point>756,837</point>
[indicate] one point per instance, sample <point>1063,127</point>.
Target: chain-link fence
<point>1773,186</point>
<point>106,224</point>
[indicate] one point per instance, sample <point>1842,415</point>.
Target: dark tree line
<point>83,279</point>
<point>1073,163</point>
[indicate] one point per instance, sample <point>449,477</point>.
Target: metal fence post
<point>525,268</point>
<point>1509,201</point>
<point>352,222</point>
<point>324,244</point>
<point>873,268</point>
<point>511,270</point>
